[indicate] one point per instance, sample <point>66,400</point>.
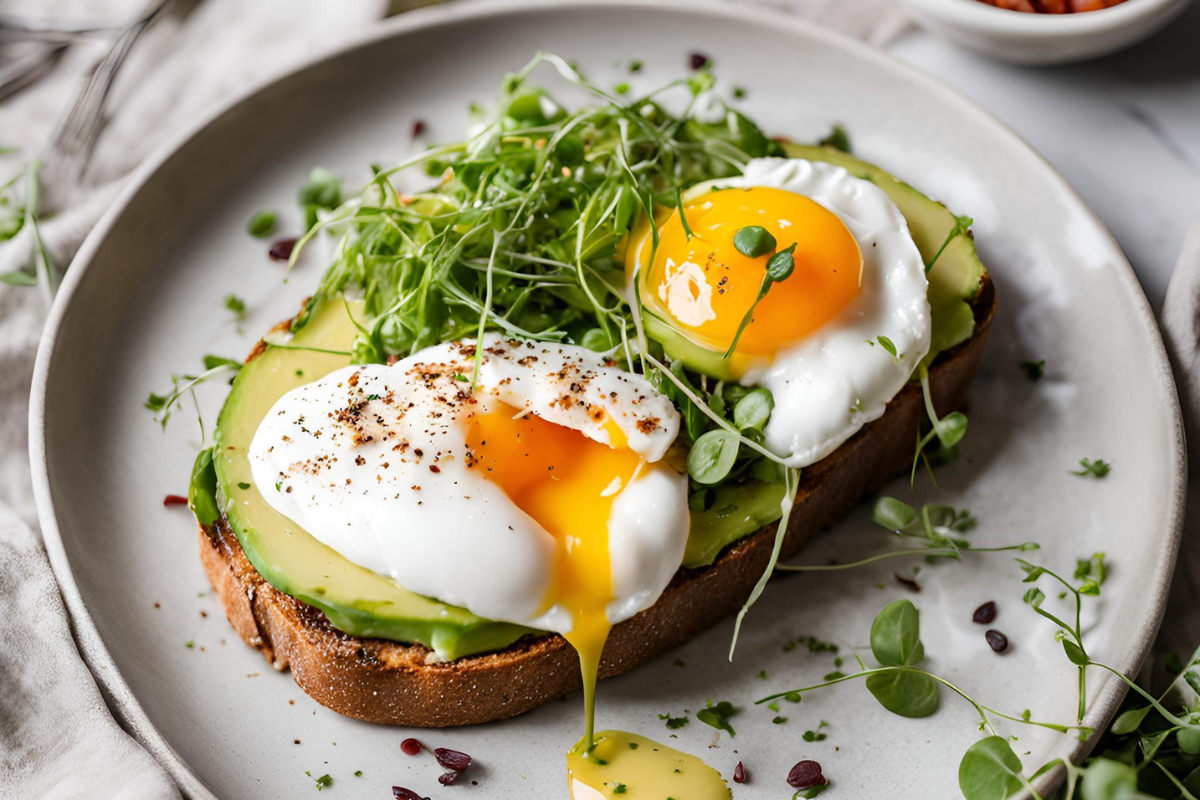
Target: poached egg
<point>833,342</point>
<point>537,498</point>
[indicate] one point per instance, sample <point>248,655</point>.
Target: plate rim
<point>120,698</point>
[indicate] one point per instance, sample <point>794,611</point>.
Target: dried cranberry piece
<point>400,793</point>
<point>985,613</point>
<point>418,128</point>
<point>452,759</point>
<point>447,778</point>
<point>281,250</point>
<point>805,775</point>
<point>698,60</point>
<point>996,640</point>
<point>410,747</point>
<point>174,500</point>
<point>739,773</point>
<point>908,583</point>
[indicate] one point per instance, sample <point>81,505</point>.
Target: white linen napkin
<point>57,739</point>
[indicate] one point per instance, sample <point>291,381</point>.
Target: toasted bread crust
<point>392,683</point>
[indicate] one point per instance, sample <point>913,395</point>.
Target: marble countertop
<point>1123,130</point>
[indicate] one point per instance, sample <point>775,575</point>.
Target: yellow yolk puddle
<point>626,766</point>
<point>567,483</point>
<point>704,286</point>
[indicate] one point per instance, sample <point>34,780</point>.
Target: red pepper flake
<point>174,500</point>
<point>698,60</point>
<point>739,773</point>
<point>281,250</point>
<point>418,128</point>
<point>400,793</point>
<point>996,640</point>
<point>908,583</point>
<point>985,613</point>
<point>805,775</point>
<point>411,747</point>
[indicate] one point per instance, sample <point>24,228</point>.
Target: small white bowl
<point>1024,38</point>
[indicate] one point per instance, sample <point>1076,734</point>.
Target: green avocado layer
<point>363,603</point>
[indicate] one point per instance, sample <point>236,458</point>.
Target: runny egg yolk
<point>567,483</point>
<point>704,286</point>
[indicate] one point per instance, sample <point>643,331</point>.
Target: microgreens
<point>323,782</point>
<point>791,484</point>
<point>1097,469</point>
<point>948,430</point>
<point>837,139</point>
<point>889,346</point>
<point>753,241</point>
<point>261,224</point>
<point>962,226</point>
<point>1092,572</point>
<point>322,191</point>
<point>818,735</point>
<point>932,529</point>
<point>19,217</point>
<point>900,685</point>
<point>717,716</point>
<point>779,268</point>
<point>163,404</point>
<point>1141,738</point>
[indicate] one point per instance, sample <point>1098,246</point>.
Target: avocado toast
<point>365,646</point>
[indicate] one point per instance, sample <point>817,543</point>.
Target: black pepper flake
<point>908,583</point>
<point>698,60</point>
<point>985,613</point>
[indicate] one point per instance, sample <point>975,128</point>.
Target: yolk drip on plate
<point>703,285</point>
<point>567,483</point>
<point>631,767</point>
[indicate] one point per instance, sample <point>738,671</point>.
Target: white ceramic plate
<point>144,298</point>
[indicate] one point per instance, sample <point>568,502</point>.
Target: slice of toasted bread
<point>399,684</point>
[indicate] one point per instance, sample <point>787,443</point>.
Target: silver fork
<point>70,148</point>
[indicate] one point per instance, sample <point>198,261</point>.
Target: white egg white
<point>370,460</point>
<point>841,377</point>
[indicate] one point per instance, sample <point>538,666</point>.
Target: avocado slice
<point>355,599</point>
<point>953,282</point>
<point>737,510</point>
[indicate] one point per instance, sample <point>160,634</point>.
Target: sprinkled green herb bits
<point>261,224</point>
<point>753,241</point>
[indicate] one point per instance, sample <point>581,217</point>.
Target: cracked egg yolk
<point>703,286</point>
<point>567,483</point>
